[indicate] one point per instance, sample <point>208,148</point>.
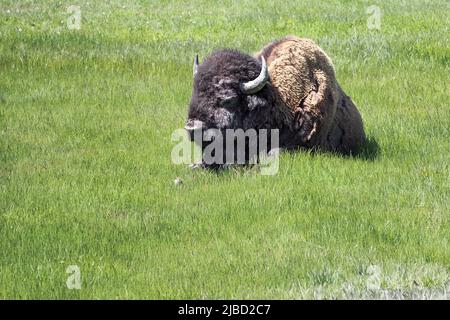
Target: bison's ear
<point>253,102</point>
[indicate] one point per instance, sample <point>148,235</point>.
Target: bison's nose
<point>193,126</point>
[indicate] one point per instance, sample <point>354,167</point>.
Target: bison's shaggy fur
<point>303,77</point>
<point>218,80</point>
<point>301,98</point>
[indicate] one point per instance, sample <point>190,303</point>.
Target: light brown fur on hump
<point>314,105</point>
<point>292,62</point>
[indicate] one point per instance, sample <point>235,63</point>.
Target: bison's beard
<point>219,152</point>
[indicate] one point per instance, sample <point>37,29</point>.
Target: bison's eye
<point>229,102</point>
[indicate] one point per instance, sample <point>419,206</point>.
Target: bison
<point>289,85</point>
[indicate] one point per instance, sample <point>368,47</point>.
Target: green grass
<point>86,178</point>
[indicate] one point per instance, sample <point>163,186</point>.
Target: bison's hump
<point>292,64</point>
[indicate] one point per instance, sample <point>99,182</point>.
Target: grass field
<point>86,177</point>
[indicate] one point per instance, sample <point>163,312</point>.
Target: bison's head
<point>231,91</point>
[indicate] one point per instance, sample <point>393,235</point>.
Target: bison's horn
<point>195,68</point>
<point>257,84</point>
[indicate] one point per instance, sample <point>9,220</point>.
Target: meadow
<point>86,177</point>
